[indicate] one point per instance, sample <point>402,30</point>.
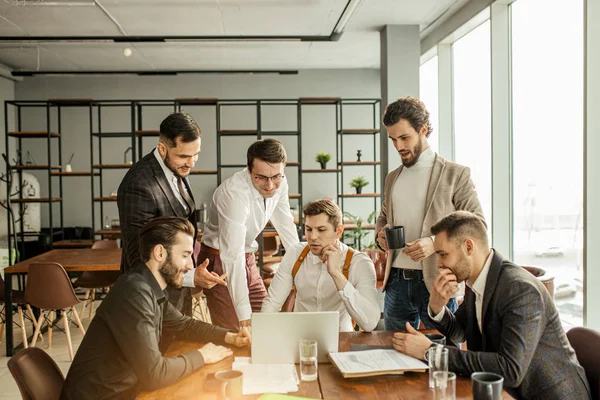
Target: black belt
<point>409,274</point>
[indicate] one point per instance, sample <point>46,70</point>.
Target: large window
<point>428,82</point>
<point>547,73</point>
<point>472,110</point>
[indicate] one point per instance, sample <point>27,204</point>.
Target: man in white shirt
<point>421,191</point>
<point>508,318</point>
<point>239,211</point>
<point>156,186</point>
<point>327,274</point>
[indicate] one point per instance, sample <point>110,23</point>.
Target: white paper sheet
<point>266,378</point>
<point>359,362</point>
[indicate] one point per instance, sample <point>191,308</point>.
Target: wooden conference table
<point>73,260</point>
<point>330,383</point>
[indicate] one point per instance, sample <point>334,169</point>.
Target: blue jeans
<point>407,300</point>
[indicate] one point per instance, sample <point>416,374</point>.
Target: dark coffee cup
<point>487,386</point>
<point>437,338</point>
<point>394,236</point>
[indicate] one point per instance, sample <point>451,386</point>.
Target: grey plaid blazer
<point>523,339</point>
<point>144,194</point>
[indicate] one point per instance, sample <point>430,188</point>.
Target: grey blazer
<point>450,189</point>
<point>523,339</point>
<point>144,194</point>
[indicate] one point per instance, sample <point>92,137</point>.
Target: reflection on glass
<point>428,89</point>
<point>547,89</point>
<point>472,111</point>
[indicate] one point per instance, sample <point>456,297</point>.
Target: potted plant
<point>322,158</point>
<point>357,233</point>
<point>358,183</point>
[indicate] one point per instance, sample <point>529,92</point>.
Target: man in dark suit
<point>508,318</point>
<point>156,186</point>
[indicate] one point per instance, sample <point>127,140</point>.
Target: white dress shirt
<point>316,290</point>
<point>478,288</point>
<point>172,179</point>
<point>409,195</point>
<point>238,213</point>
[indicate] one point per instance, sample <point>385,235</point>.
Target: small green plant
<point>358,233</point>
<point>358,183</point>
<point>322,158</point>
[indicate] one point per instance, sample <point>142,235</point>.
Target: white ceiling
<point>357,48</point>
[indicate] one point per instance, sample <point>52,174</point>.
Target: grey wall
<point>318,127</point>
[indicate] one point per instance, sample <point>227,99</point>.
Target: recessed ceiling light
<point>127,52</point>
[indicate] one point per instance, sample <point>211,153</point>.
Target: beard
<point>416,152</point>
<point>462,269</point>
<point>171,273</point>
<point>171,167</point>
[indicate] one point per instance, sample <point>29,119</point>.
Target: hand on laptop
<point>205,279</point>
<point>240,339</point>
<point>213,353</point>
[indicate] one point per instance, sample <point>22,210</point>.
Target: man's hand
<point>420,249</point>
<point>239,339</point>
<point>213,354</point>
<point>412,343</point>
<point>381,238</point>
<point>444,287</point>
<point>205,279</point>
<point>332,256</point>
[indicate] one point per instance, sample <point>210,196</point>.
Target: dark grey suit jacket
<point>523,339</point>
<point>144,194</point>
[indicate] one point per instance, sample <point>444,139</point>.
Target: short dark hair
<point>325,206</point>
<point>459,225</point>
<point>162,230</point>
<point>269,150</point>
<point>411,109</point>
<point>179,125</point>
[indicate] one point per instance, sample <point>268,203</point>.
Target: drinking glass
<point>308,360</point>
<point>438,362</point>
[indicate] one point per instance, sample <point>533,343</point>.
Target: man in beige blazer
<point>423,190</point>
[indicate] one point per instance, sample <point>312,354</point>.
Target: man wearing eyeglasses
<point>240,209</point>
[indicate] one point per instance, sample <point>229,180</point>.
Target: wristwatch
<point>426,355</point>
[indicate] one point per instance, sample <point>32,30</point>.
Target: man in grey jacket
<point>508,318</point>
<point>422,190</point>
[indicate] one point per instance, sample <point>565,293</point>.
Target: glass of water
<point>445,385</point>
<point>438,362</point>
<point>308,360</point>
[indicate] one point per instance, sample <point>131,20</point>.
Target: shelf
<point>204,172</point>
<point>293,164</point>
<point>360,131</point>
<point>112,166</point>
<point>147,133</point>
<point>319,100</point>
<point>80,173</point>
<point>238,132</point>
<point>310,171</point>
<point>361,163</point>
<point>36,200</point>
<point>363,226</point>
<point>71,102</point>
<point>360,195</point>
<point>272,259</point>
<point>108,232</point>
<point>105,199</point>
<point>294,196</point>
<point>33,134</point>
<point>112,134</point>
<point>34,167</point>
<point>198,101</point>
<point>279,133</point>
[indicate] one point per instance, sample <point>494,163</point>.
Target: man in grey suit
<point>508,318</point>
<point>156,186</point>
<point>422,190</point>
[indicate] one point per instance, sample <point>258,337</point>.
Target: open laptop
<point>276,336</point>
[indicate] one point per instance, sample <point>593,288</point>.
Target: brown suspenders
<point>304,252</point>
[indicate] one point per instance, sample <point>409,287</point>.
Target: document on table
<point>375,362</point>
<point>266,378</point>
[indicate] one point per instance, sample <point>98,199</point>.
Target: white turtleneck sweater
<point>408,200</point>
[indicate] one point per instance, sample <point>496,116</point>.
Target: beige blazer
<point>450,189</point>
